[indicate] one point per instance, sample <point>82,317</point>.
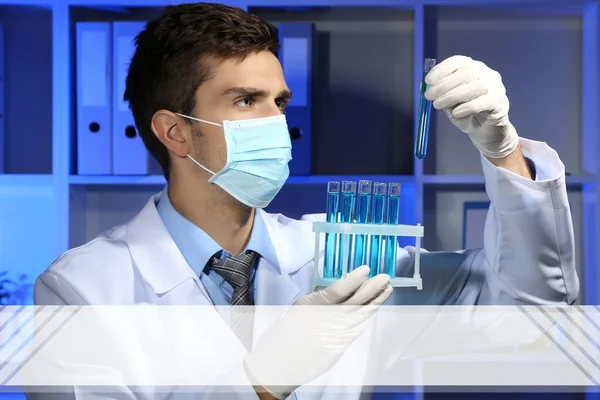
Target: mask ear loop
<point>187,155</point>
<point>198,119</point>
<point>200,165</point>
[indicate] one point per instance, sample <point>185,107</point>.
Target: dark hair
<point>168,65</point>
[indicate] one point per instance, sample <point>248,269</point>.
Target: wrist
<point>515,162</point>
<point>503,148</point>
<point>262,392</point>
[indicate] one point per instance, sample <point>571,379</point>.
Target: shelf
<point>251,3</point>
<point>25,179</point>
<point>453,179</point>
<point>517,4</point>
<point>468,30</point>
<point>117,180</point>
<point>320,3</point>
<point>572,180</point>
<point>292,180</point>
<point>363,109</point>
<point>535,10</point>
<point>323,179</point>
<point>35,3</point>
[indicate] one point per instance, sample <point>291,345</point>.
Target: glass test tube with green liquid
<point>424,114</point>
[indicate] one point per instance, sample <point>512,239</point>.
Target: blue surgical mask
<point>258,153</point>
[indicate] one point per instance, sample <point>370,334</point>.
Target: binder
<point>93,54</point>
<point>296,57</point>
<point>130,156</point>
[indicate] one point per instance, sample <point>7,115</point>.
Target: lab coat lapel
<point>273,287</point>
<point>156,255</point>
<point>293,243</point>
<point>164,268</point>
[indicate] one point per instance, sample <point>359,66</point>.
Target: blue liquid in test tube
<point>363,206</point>
<point>346,215</point>
<point>377,218</point>
<point>393,217</point>
<point>424,112</point>
<point>333,196</point>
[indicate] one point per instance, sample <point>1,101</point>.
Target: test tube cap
<point>348,186</point>
<point>393,189</point>
<point>364,186</point>
<point>333,187</point>
<point>379,188</point>
<point>428,64</point>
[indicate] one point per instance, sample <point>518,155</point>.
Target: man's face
<point>246,89</point>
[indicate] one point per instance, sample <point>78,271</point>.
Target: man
<point>208,94</point>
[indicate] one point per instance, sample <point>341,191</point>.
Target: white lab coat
<point>528,256</point>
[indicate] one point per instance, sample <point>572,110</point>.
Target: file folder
<point>130,156</point>
<point>93,55</point>
<point>296,57</point>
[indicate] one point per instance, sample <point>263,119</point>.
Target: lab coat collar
<point>292,240</point>
<point>294,246</point>
<point>154,252</point>
<point>198,246</point>
<point>163,266</point>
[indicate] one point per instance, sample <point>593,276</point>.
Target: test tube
<point>424,112</point>
<point>333,196</point>
<point>393,217</point>
<point>346,215</point>
<point>363,207</point>
<point>377,218</point>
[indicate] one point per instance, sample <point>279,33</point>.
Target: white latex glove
<point>307,341</point>
<point>474,98</point>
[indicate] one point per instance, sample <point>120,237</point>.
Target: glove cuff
<point>279,392</point>
<point>509,143</point>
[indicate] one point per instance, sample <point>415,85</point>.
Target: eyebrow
<point>250,91</point>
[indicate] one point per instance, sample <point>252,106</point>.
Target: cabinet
<point>367,72</point>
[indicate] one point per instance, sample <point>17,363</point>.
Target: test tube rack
<point>347,232</point>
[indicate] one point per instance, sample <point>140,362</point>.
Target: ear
<point>172,132</point>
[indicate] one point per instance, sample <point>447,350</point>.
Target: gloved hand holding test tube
<point>424,114</point>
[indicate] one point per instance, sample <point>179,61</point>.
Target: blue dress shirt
<point>198,247</point>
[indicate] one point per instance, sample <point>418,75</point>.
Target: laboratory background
<point>72,164</point>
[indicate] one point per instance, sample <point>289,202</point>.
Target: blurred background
<point>72,164</point>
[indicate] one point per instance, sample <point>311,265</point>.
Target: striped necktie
<point>236,271</point>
